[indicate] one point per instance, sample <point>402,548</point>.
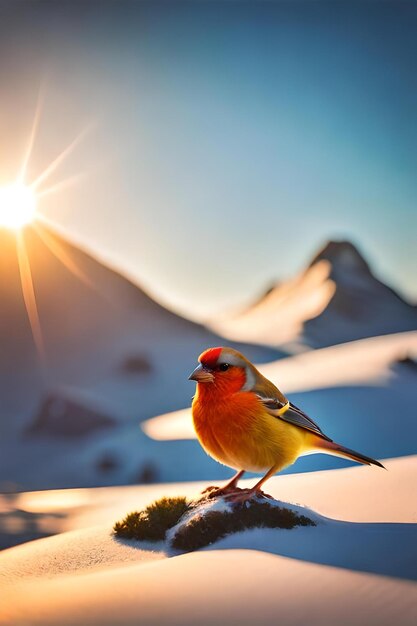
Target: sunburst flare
<point>18,209</point>
<point>17,206</point>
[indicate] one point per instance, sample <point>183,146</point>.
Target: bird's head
<point>224,369</point>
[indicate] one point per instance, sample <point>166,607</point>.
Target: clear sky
<point>230,140</point>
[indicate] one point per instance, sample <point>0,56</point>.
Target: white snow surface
<point>234,587</point>
<point>361,555</point>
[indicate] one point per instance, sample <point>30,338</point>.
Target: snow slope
<point>361,393</point>
<point>336,299</point>
<point>237,587</point>
<point>366,561</point>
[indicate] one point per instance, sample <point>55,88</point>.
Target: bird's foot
<point>240,496</point>
<point>217,492</point>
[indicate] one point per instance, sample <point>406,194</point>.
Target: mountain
<point>110,350</point>
<point>362,306</point>
<point>335,299</point>
<point>109,356</point>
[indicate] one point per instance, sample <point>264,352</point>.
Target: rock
<point>188,525</point>
<point>59,416</point>
<point>136,364</point>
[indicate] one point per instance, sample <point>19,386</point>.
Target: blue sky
<point>231,140</point>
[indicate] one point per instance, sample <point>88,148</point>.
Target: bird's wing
<point>291,414</point>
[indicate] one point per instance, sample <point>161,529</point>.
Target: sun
<point>17,206</point>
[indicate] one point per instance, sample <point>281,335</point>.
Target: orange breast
<point>237,431</point>
<point>226,428</point>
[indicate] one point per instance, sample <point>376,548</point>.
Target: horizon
<point>248,301</point>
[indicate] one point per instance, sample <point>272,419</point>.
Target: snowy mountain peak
<point>335,299</point>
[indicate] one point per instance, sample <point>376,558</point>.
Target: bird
<point>244,421</point>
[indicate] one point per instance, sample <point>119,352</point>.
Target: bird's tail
<point>330,447</point>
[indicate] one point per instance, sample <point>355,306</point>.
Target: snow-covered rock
<point>59,416</point>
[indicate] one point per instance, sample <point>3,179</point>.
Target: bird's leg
<point>255,491</point>
<point>232,484</point>
<point>229,487</point>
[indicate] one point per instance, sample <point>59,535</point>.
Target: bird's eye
<point>224,367</point>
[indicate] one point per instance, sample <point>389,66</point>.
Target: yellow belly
<point>246,436</point>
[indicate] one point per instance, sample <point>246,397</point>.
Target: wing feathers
<point>292,415</point>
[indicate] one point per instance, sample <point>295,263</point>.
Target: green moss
<point>203,530</point>
<point>152,523</point>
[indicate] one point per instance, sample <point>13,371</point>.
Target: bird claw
<point>210,489</point>
<point>216,492</point>
<point>234,494</point>
<point>244,495</point>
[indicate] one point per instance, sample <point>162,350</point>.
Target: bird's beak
<point>201,375</point>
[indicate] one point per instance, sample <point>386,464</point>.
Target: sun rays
<point>57,249</point>
<point>58,160</point>
<point>18,209</point>
<point>29,297</point>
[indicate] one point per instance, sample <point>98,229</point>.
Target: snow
<point>93,548</point>
<point>363,362</point>
<point>364,551</point>
<point>235,587</point>
<point>220,505</point>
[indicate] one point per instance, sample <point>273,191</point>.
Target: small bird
<point>244,421</point>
